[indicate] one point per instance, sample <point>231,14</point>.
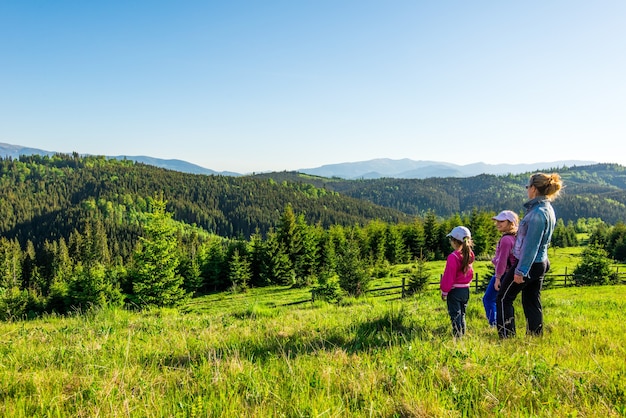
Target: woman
<point>457,276</point>
<point>531,251</point>
<point>506,223</point>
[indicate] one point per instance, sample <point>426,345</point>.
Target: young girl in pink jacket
<point>457,276</point>
<point>506,223</point>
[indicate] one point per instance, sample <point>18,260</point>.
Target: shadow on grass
<point>389,330</point>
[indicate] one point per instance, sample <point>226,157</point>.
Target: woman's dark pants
<point>531,300</point>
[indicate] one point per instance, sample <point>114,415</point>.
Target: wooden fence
<point>479,284</point>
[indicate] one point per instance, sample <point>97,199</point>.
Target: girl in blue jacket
<point>531,251</point>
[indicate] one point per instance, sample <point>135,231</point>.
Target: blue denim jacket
<point>534,234</point>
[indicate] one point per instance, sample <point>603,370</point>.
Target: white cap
<point>507,215</point>
<point>459,233</point>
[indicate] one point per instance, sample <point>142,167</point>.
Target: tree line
<point>173,261</point>
<point>86,269</point>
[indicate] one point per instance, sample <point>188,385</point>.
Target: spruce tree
<point>88,287</point>
<point>10,263</point>
<point>431,236</point>
<point>396,250</point>
<point>419,275</point>
<point>29,267</point>
<point>306,260</point>
<point>239,272</point>
<point>560,236</point>
<point>213,265</point>
<point>594,268</point>
<point>257,257</point>
<point>413,238</point>
<point>354,277</point>
<point>155,278</point>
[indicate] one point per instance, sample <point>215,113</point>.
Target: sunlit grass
<point>254,354</point>
<point>564,260</point>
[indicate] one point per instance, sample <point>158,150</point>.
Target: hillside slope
<point>48,197</point>
<point>594,191</point>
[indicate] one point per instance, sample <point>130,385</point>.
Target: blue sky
<point>279,85</point>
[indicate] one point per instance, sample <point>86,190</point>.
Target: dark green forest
<point>47,197</point>
<point>78,232</point>
<point>595,191</point>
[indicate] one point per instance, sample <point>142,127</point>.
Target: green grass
<point>564,260</point>
<point>255,355</point>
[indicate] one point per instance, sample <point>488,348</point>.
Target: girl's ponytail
<point>466,251</point>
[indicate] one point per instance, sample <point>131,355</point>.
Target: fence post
<point>403,281</point>
<point>476,280</point>
<point>565,280</point>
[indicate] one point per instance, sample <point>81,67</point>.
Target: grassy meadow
<point>272,353</point>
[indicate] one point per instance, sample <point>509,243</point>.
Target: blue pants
<point>457,304</point>
<point>489,301</point>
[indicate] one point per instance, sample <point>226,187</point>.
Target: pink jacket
<point>453,277</point>
<point>504,254</point>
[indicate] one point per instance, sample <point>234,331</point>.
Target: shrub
<point>418,277</point>
<point>381,270</point>
<point>328,288</point>
<point>594,268</point>
<point>57,298</point>
<point>19,304</point>
<point>303,281</point>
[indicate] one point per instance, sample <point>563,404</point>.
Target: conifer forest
<point>83,231</point>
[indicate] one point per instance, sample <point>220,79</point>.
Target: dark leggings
<point>531,300</point>
<point>457,304</point>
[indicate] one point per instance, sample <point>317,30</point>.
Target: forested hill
<point>48,197</point>
<point>45,198</point>
<point>594,191</point>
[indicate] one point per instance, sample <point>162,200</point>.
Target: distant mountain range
<point>14,151</point>
<point>411,169</point>
<point>372,169</point>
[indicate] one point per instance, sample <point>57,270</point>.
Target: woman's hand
<point>518,278</point>
<point>496,284</point>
